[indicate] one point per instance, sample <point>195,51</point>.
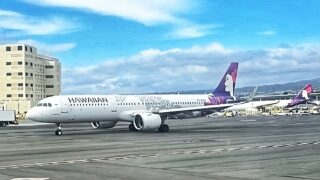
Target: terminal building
<point>26,77</point>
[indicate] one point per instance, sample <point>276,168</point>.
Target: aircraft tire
<point>58,132</point>
<point>132,128</point>
<point>163,128</point>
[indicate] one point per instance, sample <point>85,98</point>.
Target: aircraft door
<point>113,104</point>
<point>66,110</point>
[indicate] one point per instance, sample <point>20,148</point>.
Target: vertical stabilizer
<point>302,97</point>
<point>304,93</point>
<point>227,84</point>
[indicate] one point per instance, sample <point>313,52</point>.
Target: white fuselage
<point>93,108</point>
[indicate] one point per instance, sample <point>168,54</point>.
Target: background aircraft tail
<point>304,93</point>
<point>227,84</point>
<point>302,97</point>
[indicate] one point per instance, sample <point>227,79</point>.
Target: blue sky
<point>135,46</point>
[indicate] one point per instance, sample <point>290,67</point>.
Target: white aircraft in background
<point>301,98</point>
<point>143,112</point>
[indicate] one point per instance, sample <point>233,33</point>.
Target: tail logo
<point>230,83</point>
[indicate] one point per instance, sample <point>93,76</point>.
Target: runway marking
<point>30,179</point>
<point>248,120</point>
<point>158,155</point>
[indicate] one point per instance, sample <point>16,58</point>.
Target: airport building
<point>26,77</point>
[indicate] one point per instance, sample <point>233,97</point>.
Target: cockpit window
<point>44,105</point>
<point>49,105</point>
<point>39,104</point>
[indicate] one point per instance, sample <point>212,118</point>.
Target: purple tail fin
<point>303,94</point>
<point>302,97</point>
<point>228,82</point>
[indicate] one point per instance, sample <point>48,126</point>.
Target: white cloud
<point>188,31</point>
<point>197,67</point>
<point>146,12</point>
<point>49,48</point>
<point>19,23</point>
<point>6,13</point>
<point>267,33</point>
<point>149,13</point>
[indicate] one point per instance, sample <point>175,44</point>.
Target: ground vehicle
<point>7,117</point>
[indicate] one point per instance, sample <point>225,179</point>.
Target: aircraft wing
<point>252,104</point>
<point>266,103</point>
<point>197,108</point>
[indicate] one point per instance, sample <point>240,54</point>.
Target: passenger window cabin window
<point>49,104</point>
<point>39,104</point>
<point>45,104</point>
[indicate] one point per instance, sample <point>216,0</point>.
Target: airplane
<point>143,112</point>
<point>301,98</point>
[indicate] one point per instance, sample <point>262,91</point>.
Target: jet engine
<point>146,121</point>
<point>108,124</point>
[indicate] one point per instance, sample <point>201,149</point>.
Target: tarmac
<point>235,148</point>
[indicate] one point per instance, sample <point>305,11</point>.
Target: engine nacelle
<point>146,121</point>
<point>107,124</point>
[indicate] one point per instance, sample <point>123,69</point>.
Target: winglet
<point>252,94</point>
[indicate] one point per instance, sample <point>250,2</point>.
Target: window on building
<point>27,74</point>
<point>49,76</point>
<point>31,64</point>
<point>26,95</point>
<point>8,48</point>
<point>31,85</point>
<point>19,62</point>
<point>9,95</point>
<point>20,73</point>
<point>8,74</point>
<point>19,48</point>
<point>9,85</point>
<point>8,63</point>
<point>26,84</point>
<point>20,84</point>
<point>27,63</point>
<point>25,48</point>
<point>32,95</point>
<point>49,67</point>
<point>20,95</point>
<point>49,86</point>
<point>30,49</point>
<point>31,74</point>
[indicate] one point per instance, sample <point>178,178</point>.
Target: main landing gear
<point>163,128</point>
<point>132,128</point>
<point>58,132</point>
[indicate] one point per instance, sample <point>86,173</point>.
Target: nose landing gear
<point>58,132</point>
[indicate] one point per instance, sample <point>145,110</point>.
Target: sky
<point>143,46</point>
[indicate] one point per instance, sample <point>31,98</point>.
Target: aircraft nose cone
<point>33,115</point>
